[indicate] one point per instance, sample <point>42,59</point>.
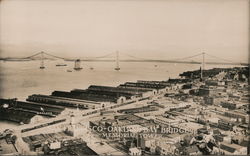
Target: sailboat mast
<point>117,59</point>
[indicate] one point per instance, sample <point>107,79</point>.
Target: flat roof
<point>103,149</point>
<point>192,125</point>
<point>67,99</point>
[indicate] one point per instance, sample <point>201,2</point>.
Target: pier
<point>177,104</point>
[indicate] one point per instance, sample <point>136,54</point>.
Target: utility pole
<point>203,61</point>
<point>203,64</point>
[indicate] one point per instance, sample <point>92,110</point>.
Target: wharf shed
<point>154,82</point>
<point>33,107</point>
<point>161,88</point>
<point>40,107</point>
<point>116,89</point>
<point>66,102</point>
<point>18,116</point>
<point>126,92</point>
<point>179,80</point>
<point>146,92</point>
<point>84,95</point>
<point>103,95</point>
<point>167,85</point>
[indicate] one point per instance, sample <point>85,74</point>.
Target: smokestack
<point>201,73</point>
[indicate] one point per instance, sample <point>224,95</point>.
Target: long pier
<point>64,119</point>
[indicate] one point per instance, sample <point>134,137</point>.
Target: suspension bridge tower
<point>42,61</point>
<point>78,64</point>
<point>117,62</point>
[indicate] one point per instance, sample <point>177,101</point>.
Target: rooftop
<point>7,149</point>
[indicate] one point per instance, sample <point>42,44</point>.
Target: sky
<point>156,29</point>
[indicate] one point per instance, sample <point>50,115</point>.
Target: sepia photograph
<point>124,77</point>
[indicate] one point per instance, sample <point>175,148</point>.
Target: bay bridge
<point>117,57</point>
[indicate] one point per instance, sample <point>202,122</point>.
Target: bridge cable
<point>188,57</point>
<point>32,55</point>
<point>220,58</point>
<point>134,56</point>
<point>102,56</point>
<point>54,56</point>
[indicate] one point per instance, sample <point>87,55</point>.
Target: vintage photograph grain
<point>124,77</point>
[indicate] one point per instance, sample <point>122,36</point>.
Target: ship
<point>61,64</point>
<point>78,68</point>
<point>78,64</point>
<point>117,68</point>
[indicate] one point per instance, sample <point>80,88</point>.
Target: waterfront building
<point>231,104</point>
<point>161,88</point>
<point>126,92</point>
<point>192,150</point>
<point>238,115</point>
<point>232,149</point>
<point>20,116</point>
<point>166,149</point>
<point>77,130</point>
<point>213,100</point>
<point>67,102</point>
<point>84,95</point>
<point>207,91</point>
<point>214,83</point>
<point>134,151</point>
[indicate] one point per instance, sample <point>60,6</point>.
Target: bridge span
<point>199,58</point>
